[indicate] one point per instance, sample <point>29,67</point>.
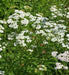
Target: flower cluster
<point>58,12</point>
<point>51,30</point>
<point>30,50</point>
<point>64,56</point>
<point>2,72</point>
<point>11,36</point>
<point>1,29</point>
<point>60,66</point>
<point>42,67</point>
<point>21,38</point>
<point>3,46</point>
<point>3,22</point>
<point>54,53</point>
<point>55,12</point>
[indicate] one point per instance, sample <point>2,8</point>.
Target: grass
<point>17,60</point>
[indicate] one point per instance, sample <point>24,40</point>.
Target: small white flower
<point>28,41</point>
<point>45,42</point>
<point>61,21</point>
<point>63,45</point>
<point>38,15</point>
<point>0,56</point>
<point>24,44</point>
<point>15,44</point>
<point>31,32</point>
<point>54,39</point>
<point>0,49</point>
<point>65,67</point>
<point>41,69</point>
<point>1,31</point>
<point>9,21</point>
<point>53,8</point>
<point>67,35</point>
<point>1,27</point>
<point>2,72</point>
<point>67,16</point>
<point>1,21</point>
<point>59,66</point>
<point>33,18</point>
<point>37,32</point>
<point>57,63</point>
<point>3,47</point>
<point>10,37</point>
<point>54,16</point>
<point>27,14</point>
<point>25,21</point>
<point>16,11</point>
<point>30,50</point>
<point>34,46</point>
<point>54,53</point>
<point>38,27</point>
<point>67,46</point>
<point>13,25</point>
<point>60,14</point>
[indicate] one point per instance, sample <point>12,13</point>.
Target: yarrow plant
<point>29,36</point>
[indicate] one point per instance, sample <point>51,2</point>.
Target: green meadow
<point>34,37</point>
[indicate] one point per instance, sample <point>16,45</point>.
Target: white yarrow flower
<point>54,53</point>
<point>65,67</point>
<point>30,50</point>
<point>0,49</point>
<point>0,56</point>
<point>38,27</point>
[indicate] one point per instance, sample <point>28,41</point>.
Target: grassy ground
<point>18,61</point>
